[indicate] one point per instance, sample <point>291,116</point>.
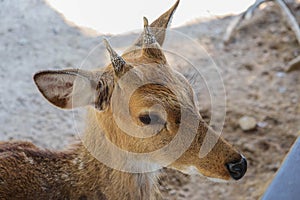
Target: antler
<point>148,38</point>
<point>118,63</point>
<point>158,28</point>
<point>151,48</point>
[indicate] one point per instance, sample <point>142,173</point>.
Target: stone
<point>22,41</point>
<point>247,123</point>
<point>262,124</point>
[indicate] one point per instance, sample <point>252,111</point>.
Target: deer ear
<point>71,88</point>
<point>158,28</point>
<point>162,23</point>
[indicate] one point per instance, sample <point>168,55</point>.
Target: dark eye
<point>145,119</point>
<point>149,118</point>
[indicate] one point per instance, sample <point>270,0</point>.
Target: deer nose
<point>237,169</point>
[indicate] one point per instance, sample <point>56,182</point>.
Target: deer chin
<point>192,170</point>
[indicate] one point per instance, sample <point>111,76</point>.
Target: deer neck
<point>113,183</point>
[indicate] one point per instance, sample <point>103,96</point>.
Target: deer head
<point>141,105</point>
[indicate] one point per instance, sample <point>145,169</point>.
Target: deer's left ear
<point>73,88</point>
<point>159,27</point>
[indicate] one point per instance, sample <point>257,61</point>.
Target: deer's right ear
<point>72,88</point>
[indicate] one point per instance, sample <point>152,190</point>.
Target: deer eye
<point>150,118</point>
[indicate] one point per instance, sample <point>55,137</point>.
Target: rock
<point>22,41</point>
<point>280,74</point>
<point>282,90</point>
<point>262,124</point>
<point>247,123</point>
<point>294,100</point>
<point>172,192</point>
<point>286,39</point>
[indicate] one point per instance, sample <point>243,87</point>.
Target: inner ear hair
<point>67,88</point>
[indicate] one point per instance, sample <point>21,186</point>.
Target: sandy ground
<point>33,37</point>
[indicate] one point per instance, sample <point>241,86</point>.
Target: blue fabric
<point>286,184</point>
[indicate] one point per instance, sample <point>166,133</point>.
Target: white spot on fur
<point>75,161</point>
<point>191,170</point>
<point>43,188</point>
<point>78,161</point>
<point>28,159</point>
<point>81,166</point>
<point>64,176</point>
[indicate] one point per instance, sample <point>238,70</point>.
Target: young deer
<point>162,106</point>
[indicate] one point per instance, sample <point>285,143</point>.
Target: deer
<point>110,161</point>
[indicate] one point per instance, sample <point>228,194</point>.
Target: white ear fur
<point>67,88</point>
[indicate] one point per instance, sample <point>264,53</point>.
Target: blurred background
<point>116,16</point>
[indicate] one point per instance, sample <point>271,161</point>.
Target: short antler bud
<point>117,61</point>
<point>151,48</point>
<point>148,37</point>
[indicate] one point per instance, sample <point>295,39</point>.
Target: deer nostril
<point>237,169</point>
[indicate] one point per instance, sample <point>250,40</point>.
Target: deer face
<point>168,110</point>
<point>143,105</point>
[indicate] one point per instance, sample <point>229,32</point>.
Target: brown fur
<point>27,172</point>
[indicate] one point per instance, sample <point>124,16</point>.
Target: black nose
<point>237,169</point>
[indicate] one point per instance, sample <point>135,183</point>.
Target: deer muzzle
<point>237,169</point>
